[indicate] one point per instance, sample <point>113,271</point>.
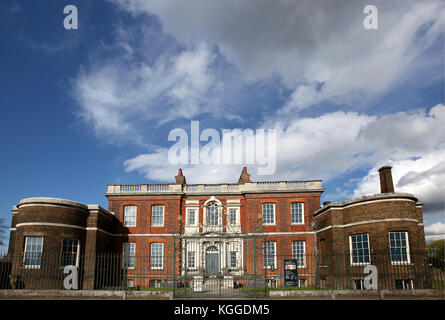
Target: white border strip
<point>368,221</point>
<point>360,203</point>
<point>50,224</point>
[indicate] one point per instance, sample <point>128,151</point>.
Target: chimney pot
<point>180,177</point>
<point>244,177</point>
<point>386,184</point>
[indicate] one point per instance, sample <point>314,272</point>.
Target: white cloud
<point>115,96</point>
<point>435,231</point>
<point>308,43</point>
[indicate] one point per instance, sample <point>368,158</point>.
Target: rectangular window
<point>297,212</point>
<point>128,255</point>
<point>404,284</point>
<point>130,283</point>
<point>398,246</point>
<point>70,252</point>
<point>268,213</point>
<point>359,248</point>
<point>233,259</point>
<point>157,216</point>
<point>33,252</point>
<point>191,259</point>
<point>156,255</point>
<point>192,217</point>
<point>130,216</point>
<point>270,255</point>
<point>299,253</point>
<point>358,284</point>
<point>232,217</point>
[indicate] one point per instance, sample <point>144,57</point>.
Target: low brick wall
<point>96,294</point>
<point>278,294</point>
<point>339,294</point>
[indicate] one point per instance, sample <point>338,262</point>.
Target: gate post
<point>174,266</point>
<point>184,260</point>
<point>254,267</point>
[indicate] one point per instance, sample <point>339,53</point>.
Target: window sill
<point>401,263</point>
<point>358,264</point>
<point>32,267</point>
<point>270,268</point>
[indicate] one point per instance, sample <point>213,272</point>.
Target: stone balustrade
<point>248,187</point>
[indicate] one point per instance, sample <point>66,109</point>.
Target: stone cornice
<point>366,199</point>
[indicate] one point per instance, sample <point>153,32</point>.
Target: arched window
<point>212,214</point>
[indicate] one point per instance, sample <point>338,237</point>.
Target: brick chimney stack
<point>244,177</point>
<point>386,185</point>
<point>180,178</point>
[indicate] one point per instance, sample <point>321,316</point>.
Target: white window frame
<point>152,265</point>
<point>408,258</point>
<point>191,261</point>
<point>129,218</point>
<point>130,283</point>
<point>292,213</point>
<point>216,207</point>
<point>235,212</point>
<point>77,252</point>
<point>407,284</point>
<point>236,259</point>
<point>125,255</point>
<point>273,214</point>
<point>162,216</point>
<point>25,252</point>
<point>266,255</point>
<point>295,253</point>
<point>351,250</point>
<point>189,211</point>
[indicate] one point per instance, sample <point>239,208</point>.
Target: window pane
<point>296,212</point>
<point>157,215</point>
<point>156,255</point>
<point>269,254</point>
<point>233,259</point>
<point>298,252</point>
<point>69,252</point>
<point>192,217</point>
<point>232,217</point>
<point>360,248</point>
<point>33,251</point>
<point>268,213</point>
<point>191,259</point>
<point>130,216</point>
<point>129,252</point>
<point>212,214</point>
<point>399,247</point>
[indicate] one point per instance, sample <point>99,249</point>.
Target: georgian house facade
<point>213,225</point>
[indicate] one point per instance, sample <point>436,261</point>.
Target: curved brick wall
<point>376,215</point>
<point>53,219</point>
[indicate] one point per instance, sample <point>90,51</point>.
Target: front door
<point>212,260</point>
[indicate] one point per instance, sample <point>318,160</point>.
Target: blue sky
<point>89,107</point>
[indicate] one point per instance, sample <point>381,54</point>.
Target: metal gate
<point>220,265</point>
